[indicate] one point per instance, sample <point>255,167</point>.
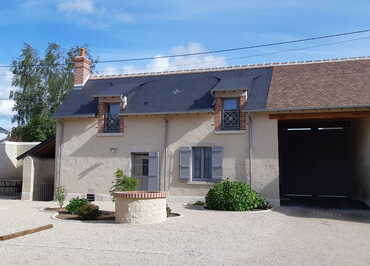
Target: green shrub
<point>75,203</point>
<point>60,195</point>
<point>88,211</point>
<point>169,210</point>
<point>123,183</point>
<point>234,196</point>
<point>198,203</point>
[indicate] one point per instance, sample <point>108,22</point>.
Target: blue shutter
<point>217,163</point>
<point>185,159</point>
<point>153,178</point>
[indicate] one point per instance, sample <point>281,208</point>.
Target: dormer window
<point>111,118</point>
<point>230,114</point>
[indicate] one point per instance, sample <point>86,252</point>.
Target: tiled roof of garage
<point>316,85</point>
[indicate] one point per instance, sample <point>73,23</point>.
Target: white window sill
<point>110,134</point>
<point>200,183</point>
<point>225,132</point>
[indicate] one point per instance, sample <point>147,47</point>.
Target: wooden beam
<point>322,115</point>
<point>26,232</point>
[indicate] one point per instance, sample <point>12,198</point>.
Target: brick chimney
<point>81,69</point>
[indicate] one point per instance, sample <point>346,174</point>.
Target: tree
<point>42,83</point>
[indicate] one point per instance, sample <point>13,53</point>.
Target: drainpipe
<point>250,136</point>
<point>59,155</point>
<point>165,143</point>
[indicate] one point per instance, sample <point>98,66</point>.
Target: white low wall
<point>10,167</point>
<point>36,173</point>
<point>140,207</point>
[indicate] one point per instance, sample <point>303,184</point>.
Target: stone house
<point>289,130</point>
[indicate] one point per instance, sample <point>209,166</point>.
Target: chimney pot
<point>81,70</point>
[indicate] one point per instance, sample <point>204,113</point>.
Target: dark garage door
<point>314,159</point>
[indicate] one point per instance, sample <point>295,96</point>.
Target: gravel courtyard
<point>282,236</point>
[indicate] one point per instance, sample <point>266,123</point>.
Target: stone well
<point>140,207</point>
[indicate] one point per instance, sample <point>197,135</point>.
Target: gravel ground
<point>282,236</point>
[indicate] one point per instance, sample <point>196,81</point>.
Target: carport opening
<point>317,163</point>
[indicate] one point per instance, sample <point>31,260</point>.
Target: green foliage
<point>123,182</point>
<point>42,82</point>
<point>198,203</point>
<point>168,210</point>
<point>75,203</point>
<point>234,196</point>
<point>38,128</point>
<point>88,211</point>
<point>60,195</point>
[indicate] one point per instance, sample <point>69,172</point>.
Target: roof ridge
<point>226,68</point>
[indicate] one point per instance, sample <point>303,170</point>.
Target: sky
<point>119,29</point>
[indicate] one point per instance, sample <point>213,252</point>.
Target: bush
<point>169,210</point>
<point>75,203</point>
<point>60,195</point>
<point>123,183</point>
<point>198,203</point>
<point>234,196</point>
<point>88,211</point>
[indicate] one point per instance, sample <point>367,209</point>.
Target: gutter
<point>328,108</point>
<point>169,113</point>
<point>74,116</point>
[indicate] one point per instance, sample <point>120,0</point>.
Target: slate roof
<point>322,84</point>
<point>168,93</point>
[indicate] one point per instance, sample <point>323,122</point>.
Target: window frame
<point>110,116</point>
<point>203,163</point>
<point>236,110</point>
<point>135,157</point>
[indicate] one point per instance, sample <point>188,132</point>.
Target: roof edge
<point>169,113</point>
<point>236,67</point>
<point>290,109</point>
<point>74,116</point>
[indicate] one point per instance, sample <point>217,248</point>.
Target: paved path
<point>283,236</point>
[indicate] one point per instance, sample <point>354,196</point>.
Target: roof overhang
<point>74,116</point>
<point>170,113</point>
<point>313,108</point>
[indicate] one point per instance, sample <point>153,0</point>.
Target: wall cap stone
<point>140,195</point>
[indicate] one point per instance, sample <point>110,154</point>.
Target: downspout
<point>165,143</point>
<point>61,137</point>
<point>250,136</point>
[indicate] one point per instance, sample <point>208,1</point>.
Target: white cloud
<point>5,88</point>
<point>81,6</point>
<point>176,63</point>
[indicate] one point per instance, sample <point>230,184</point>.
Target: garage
<point>324,161</point>
<point>315,159</point>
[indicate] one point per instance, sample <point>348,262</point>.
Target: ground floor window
<point>202,163</point>
<point>140,164</point>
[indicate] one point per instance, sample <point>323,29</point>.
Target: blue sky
<point>115,29</point>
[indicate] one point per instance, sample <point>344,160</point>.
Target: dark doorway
<point>315,159</point>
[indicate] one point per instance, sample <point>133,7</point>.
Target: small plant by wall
<point>234,196</point>
<point>60,195</point>
<point>88,212</point>
<point>75,203</point>
<point>123,183</point>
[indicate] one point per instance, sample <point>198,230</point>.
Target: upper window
<point>113,108</point>
<point>230,114</point>
<point>111,121</point>
<point>202,163</point>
